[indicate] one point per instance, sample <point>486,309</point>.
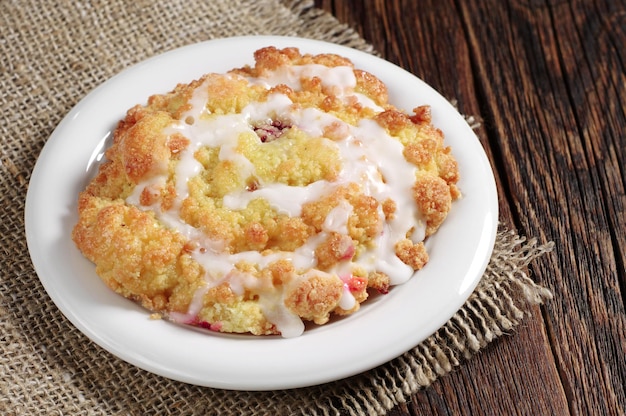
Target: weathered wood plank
<point>504,61</point>
<point>491,383</point>
<point>557,100</point>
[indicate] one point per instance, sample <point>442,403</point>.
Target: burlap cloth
<point>53,53</point>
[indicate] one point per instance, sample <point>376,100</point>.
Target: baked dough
<point>272,195</point>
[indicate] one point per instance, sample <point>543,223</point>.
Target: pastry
<point>266,197</point>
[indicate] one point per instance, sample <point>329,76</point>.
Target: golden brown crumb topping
<point>274,194</point>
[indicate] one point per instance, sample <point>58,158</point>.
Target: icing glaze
<point>369,157</point>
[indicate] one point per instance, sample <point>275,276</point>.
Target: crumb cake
<point>269,196</point>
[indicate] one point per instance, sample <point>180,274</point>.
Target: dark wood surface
<point>547,80</point>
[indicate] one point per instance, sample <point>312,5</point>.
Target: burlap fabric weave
<point>53,54</point>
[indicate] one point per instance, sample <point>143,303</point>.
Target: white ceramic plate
<point>384,328</point>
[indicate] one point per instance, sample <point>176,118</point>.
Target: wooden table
<point>547,80</point>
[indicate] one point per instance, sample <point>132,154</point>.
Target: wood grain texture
<point>548,81</point>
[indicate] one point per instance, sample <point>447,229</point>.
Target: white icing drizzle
<point>370,158</point>
<point>276,106</point>
<point>212,131</point>
<point>347,300</point>
<point>341,77</point>
<point>283,198</point>
<point>367,102</point>
<point>153,184</point>
<point>337,218</point>
<point>273,306</point>
<point>194,308</point>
